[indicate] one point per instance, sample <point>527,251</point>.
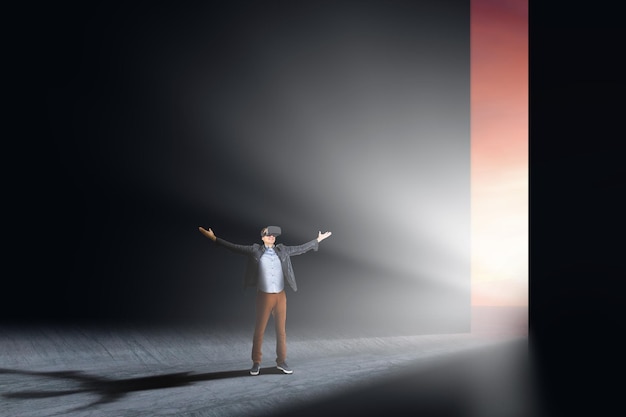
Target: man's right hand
<point>208,233</point>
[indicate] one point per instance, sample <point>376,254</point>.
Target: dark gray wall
<point>139,123</point>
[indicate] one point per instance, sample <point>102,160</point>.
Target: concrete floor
<point>46,371</point>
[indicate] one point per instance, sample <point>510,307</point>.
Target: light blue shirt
<point>271,278</point>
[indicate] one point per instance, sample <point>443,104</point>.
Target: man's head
<point>269,235</point>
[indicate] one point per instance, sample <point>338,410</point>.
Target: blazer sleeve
<point>300,249</point>
<point>233,247</point>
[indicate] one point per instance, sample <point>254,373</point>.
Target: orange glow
<point>499,134</point>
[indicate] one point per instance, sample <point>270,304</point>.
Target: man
<point>269,266</point>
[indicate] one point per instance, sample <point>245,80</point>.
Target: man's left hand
<point>321,236</point>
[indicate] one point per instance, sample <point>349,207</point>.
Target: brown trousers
<point>276,305</point>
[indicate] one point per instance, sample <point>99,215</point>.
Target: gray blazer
<point>255,251</point>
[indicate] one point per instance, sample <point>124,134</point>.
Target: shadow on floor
<point>109,390</point>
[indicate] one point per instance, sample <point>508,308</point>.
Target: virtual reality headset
<point>271,230</point>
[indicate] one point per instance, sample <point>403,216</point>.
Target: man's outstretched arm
<point>208,233</point>
<point>242,249</point>
<point>305,247</point>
